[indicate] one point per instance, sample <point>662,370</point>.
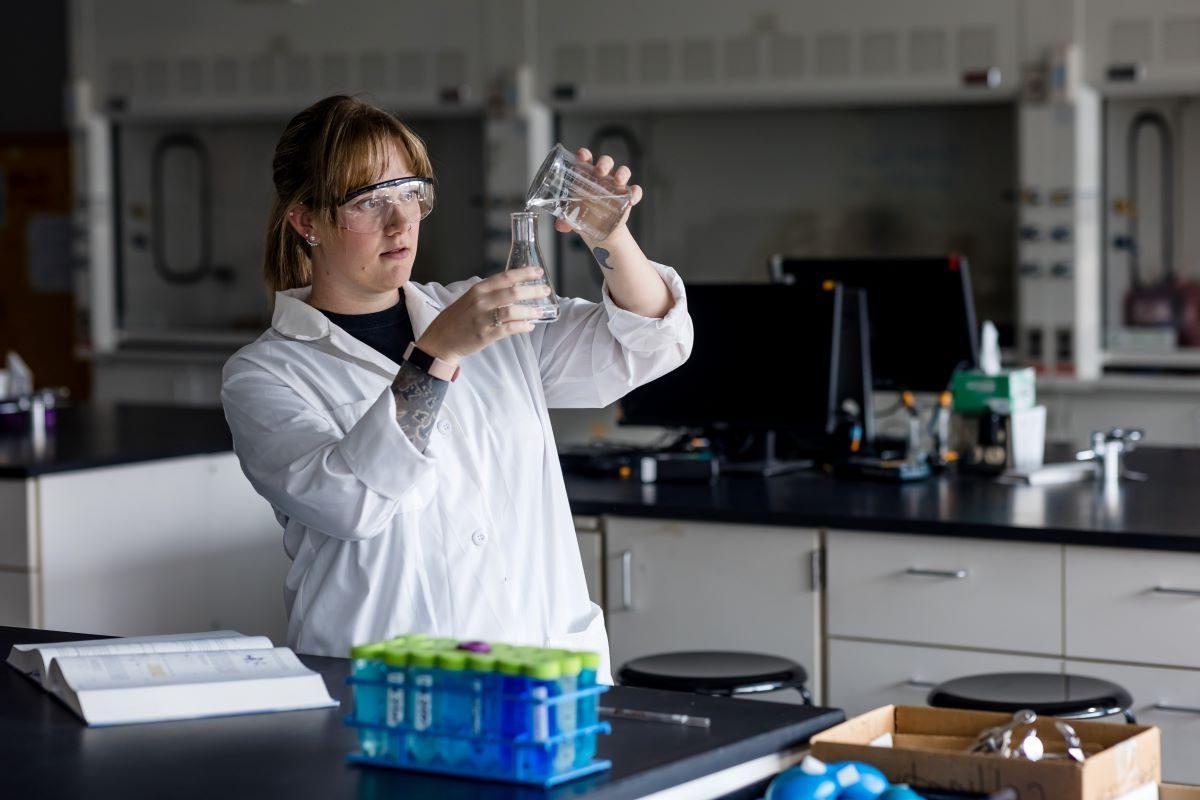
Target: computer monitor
<point>922,313</point>
<point>763,360</point>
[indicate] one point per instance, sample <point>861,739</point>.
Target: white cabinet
<point>1168,698</point>
<point>947,591</point>
<point>1145,603</point>
<point>181,544</point>
<point>706,586</point>
<point>1151,47</point>
<point>717,53</point>
<point>867,675</point>
<point>144,58</point>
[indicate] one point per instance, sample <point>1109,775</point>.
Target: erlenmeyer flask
<point>525,253</point>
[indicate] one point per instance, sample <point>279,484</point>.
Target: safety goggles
<point>370,208</point>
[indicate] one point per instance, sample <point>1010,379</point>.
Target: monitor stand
<point>769,466</point>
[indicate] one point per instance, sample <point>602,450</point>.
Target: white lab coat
<point>472,538</point>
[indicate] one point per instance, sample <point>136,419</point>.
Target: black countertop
<point>86,437</point>
<point>49,753</point>
<point>1162,513</point>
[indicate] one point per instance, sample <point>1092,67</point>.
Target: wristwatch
<point>434,366</point>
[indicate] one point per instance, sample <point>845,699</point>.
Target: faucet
<point>1107,452</point>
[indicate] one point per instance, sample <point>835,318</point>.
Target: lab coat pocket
<point>590,636</point>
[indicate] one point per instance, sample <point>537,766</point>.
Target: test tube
<point>588,707</point>
<point>566,714</point>
<point>422,674</point>
<point>367,666</point>
<point>452,707</point>
<point>396,656</point>
<point>485,710</point>
<point>542,675</point>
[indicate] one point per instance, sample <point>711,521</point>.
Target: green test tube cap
<point>373,650</point>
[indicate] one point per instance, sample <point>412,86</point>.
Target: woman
<point>400,430</point>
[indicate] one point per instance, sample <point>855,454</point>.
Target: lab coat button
<point>479,538</point>
<point>444,426</point>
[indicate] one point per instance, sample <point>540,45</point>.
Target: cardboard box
<point>1174,791</point>
<point>1015,389</point>
<point>929,750</point>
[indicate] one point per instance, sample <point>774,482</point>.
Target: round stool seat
<point>714,672</point>
<point>1047,693</point>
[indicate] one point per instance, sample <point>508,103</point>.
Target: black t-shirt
<point>388,331</point>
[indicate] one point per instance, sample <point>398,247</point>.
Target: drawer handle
<point>1173,590</point>
<point>955,574</point>
<point>627,580</point>
<point>912,683</point>
<point>1176,709</point>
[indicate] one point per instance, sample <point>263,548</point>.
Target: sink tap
<point>1108,450</point>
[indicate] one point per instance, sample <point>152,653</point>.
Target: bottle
<point>396,659</point>
<point>370,672</point>
<point>588,713</point>
<point>526,253</point>
<point>514,706</point>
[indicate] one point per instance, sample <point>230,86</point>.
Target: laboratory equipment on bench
<point>923,326</point>
<point>1169,302</point>
<point>492,711</point>
<point>1108,453</point>
<point>571,190</point>
<point>526,253</point>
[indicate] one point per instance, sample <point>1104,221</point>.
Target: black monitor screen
<point>922,314</point>
<point>760,360</point>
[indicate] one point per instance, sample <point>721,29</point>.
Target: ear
<point>301,220</point>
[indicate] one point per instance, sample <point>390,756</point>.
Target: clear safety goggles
<point>371,208</point>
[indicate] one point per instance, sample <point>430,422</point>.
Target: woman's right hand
<point>468,324</point>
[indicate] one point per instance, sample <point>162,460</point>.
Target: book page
<point>88,673</point>
<point>34,660</point>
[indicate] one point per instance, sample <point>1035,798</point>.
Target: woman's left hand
<point>606,166</point>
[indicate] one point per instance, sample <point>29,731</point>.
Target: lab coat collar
<point>296,319</point>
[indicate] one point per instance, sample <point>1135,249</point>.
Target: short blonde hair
<point>335,145</point>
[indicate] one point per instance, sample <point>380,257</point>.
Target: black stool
<point>716,673</point>
<point>1046,693</point>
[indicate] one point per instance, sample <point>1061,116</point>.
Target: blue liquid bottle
<point>514,708</point>
<point>396,657</point>
<point>542,676</point>
<point>588,707</point>
<point>485,710</point>
<point>367,664</point>
<point>567,711</point>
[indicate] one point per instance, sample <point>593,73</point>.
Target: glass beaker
<point>571,190</point>
<point>525,253</point>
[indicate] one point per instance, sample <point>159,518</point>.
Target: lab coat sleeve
<point>346,486</point>
<point>596,353</point>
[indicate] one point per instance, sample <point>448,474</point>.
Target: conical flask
<point>525,253</point>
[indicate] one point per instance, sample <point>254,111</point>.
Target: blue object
<point>859,781</point>
<point>368,666</point>
<point>795,784</point>
<point>900,792</point>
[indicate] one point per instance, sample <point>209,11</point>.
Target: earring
<point>312,239</point>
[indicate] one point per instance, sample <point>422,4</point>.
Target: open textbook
<point>156,678</point>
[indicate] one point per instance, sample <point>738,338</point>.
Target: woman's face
<point>363,265</point>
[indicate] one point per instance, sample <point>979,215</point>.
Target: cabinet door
<point>1168,698</point>
<point>591,550</point>
<point>705,586</point>
<point>1147,48</point>
<point>946,591</point>
<point>867,675</point>
<point>1122,602</point>
<point>168,546</point>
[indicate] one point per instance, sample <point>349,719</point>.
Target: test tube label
<point>395,698</point>
<point>423,707</point>
<point>541,714</point>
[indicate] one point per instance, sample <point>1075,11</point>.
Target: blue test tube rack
<point>484,725</point>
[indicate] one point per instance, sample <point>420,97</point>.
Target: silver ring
<point>496,323</point>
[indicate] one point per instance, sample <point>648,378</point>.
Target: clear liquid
<point>525,254</point>
<point>594,215</point>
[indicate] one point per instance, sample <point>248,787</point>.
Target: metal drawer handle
<point>912,683</point>
<point>1173,590</point>
<point>1176,709</point>
<point>956,574</point>
<point>627,580</point>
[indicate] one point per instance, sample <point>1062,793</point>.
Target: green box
<point>1012,390</point>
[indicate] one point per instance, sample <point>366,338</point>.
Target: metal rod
<point>956,574</point>
<point>656,716</point>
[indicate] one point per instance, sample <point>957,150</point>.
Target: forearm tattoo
<point>419,397</point>
<point>602,257</point>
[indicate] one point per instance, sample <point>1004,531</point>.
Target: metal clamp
<point>955,574</point>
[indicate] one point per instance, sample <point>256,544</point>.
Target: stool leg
<point>1129,717</point>
<point>804,693</point>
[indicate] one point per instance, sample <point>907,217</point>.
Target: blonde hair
<point>335,145</point>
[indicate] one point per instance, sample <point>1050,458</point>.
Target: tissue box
<point>926,747</point>
<point>972,390</point>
